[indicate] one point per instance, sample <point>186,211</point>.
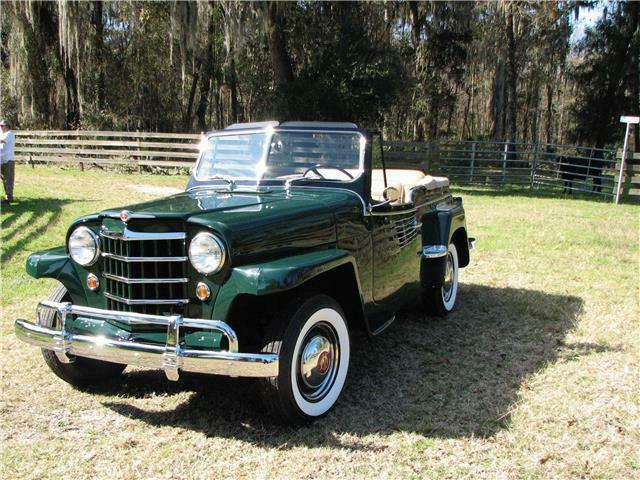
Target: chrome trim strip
<point>434,251</point>
<point>125,317</point>
<point>143,259</point>
<point>128,235</point>
<point>132,216</point>
<point>134,281</point>
<point>171,357</point>
<point>144,301</point>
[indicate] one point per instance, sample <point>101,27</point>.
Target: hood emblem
<point>125,215</point>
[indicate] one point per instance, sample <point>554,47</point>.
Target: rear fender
<point>441,226</point>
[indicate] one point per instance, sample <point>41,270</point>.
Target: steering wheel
<point>314,169</point>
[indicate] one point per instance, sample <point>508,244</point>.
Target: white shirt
<point>7,148</point>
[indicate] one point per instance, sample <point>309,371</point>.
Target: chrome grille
<point>406,230</point>
<point>145,272</point>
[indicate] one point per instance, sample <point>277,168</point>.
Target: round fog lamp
<point>203,292</point>
<point>92,282</point>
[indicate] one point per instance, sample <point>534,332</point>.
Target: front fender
<point>277,276</point>
<point>48,263</point>
<point>55,263</point>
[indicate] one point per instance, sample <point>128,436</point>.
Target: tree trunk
<point>39,36</point>
<point>549,112</point>
<point>498,101</point>
<point>98,52</point>
<point>207,72</point>
<point>233,85</point>
<point>277,40</point>
<point>512,82</point>
<point>72,101</point>
<point>188,116</point>
<point>416,23</point>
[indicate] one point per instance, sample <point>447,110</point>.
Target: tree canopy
<point>505,70</point>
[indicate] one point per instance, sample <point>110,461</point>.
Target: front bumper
<point>171,357</point>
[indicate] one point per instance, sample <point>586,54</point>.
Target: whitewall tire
<point>314,348</point>
<point>442,299</point>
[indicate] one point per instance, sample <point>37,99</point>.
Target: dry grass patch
<point>535,375</point>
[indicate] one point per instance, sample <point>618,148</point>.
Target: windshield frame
<point>271,131</point>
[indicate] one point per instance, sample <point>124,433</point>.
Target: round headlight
<point>84,246</point>
<point>206,253</point>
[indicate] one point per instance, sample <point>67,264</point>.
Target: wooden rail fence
<point>557,167</point>
<point>133,149</point>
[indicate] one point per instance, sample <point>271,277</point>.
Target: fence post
<point>534,165</point>
<point>138,159</point>
<point>504,161</point>
<point>622,159</point>
<point>473,160</point>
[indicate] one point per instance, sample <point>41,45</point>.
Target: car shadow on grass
<point>25,220</point>
<point>459,376</point>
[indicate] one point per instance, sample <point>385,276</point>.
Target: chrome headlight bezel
<point>94,246</point>
<point>202,240</point>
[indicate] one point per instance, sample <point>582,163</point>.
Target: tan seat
<point>403,181</point>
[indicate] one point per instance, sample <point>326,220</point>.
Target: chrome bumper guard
<point>171,357</point>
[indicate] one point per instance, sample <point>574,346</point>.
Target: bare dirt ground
<point>535,375</point>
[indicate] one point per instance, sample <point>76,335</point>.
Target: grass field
<point>535,375</point>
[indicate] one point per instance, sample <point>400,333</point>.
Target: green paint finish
<point>55,263</point>
<point>206,339</point>
<point>277,276</point>
<point>97,327</point>
<point>203,339</point>
<point>47,263</point>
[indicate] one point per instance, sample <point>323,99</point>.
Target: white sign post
<point>628,121</point>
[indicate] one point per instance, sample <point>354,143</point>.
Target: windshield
<point>281,155</point>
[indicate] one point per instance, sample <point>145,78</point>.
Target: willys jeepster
<point>288,238</point>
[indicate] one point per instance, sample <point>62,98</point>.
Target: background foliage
<point>418,70</point>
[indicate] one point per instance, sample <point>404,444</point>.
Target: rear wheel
<point>82,372</point>
<point>441,300</point>
<point>312,341</point>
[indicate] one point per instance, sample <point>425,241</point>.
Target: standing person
<point>7,159</point>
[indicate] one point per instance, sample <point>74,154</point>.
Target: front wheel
<point>313,344</point>
<point>81,372</point>
<point>441,300</point>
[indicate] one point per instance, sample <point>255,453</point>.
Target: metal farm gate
<point>560,168</point>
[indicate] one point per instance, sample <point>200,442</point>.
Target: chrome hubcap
<point>318,362</point>
<point>447,286</point>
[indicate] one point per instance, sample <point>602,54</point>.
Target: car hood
<point>252,222</point>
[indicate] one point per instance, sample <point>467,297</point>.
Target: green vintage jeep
<point>288,238</point>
